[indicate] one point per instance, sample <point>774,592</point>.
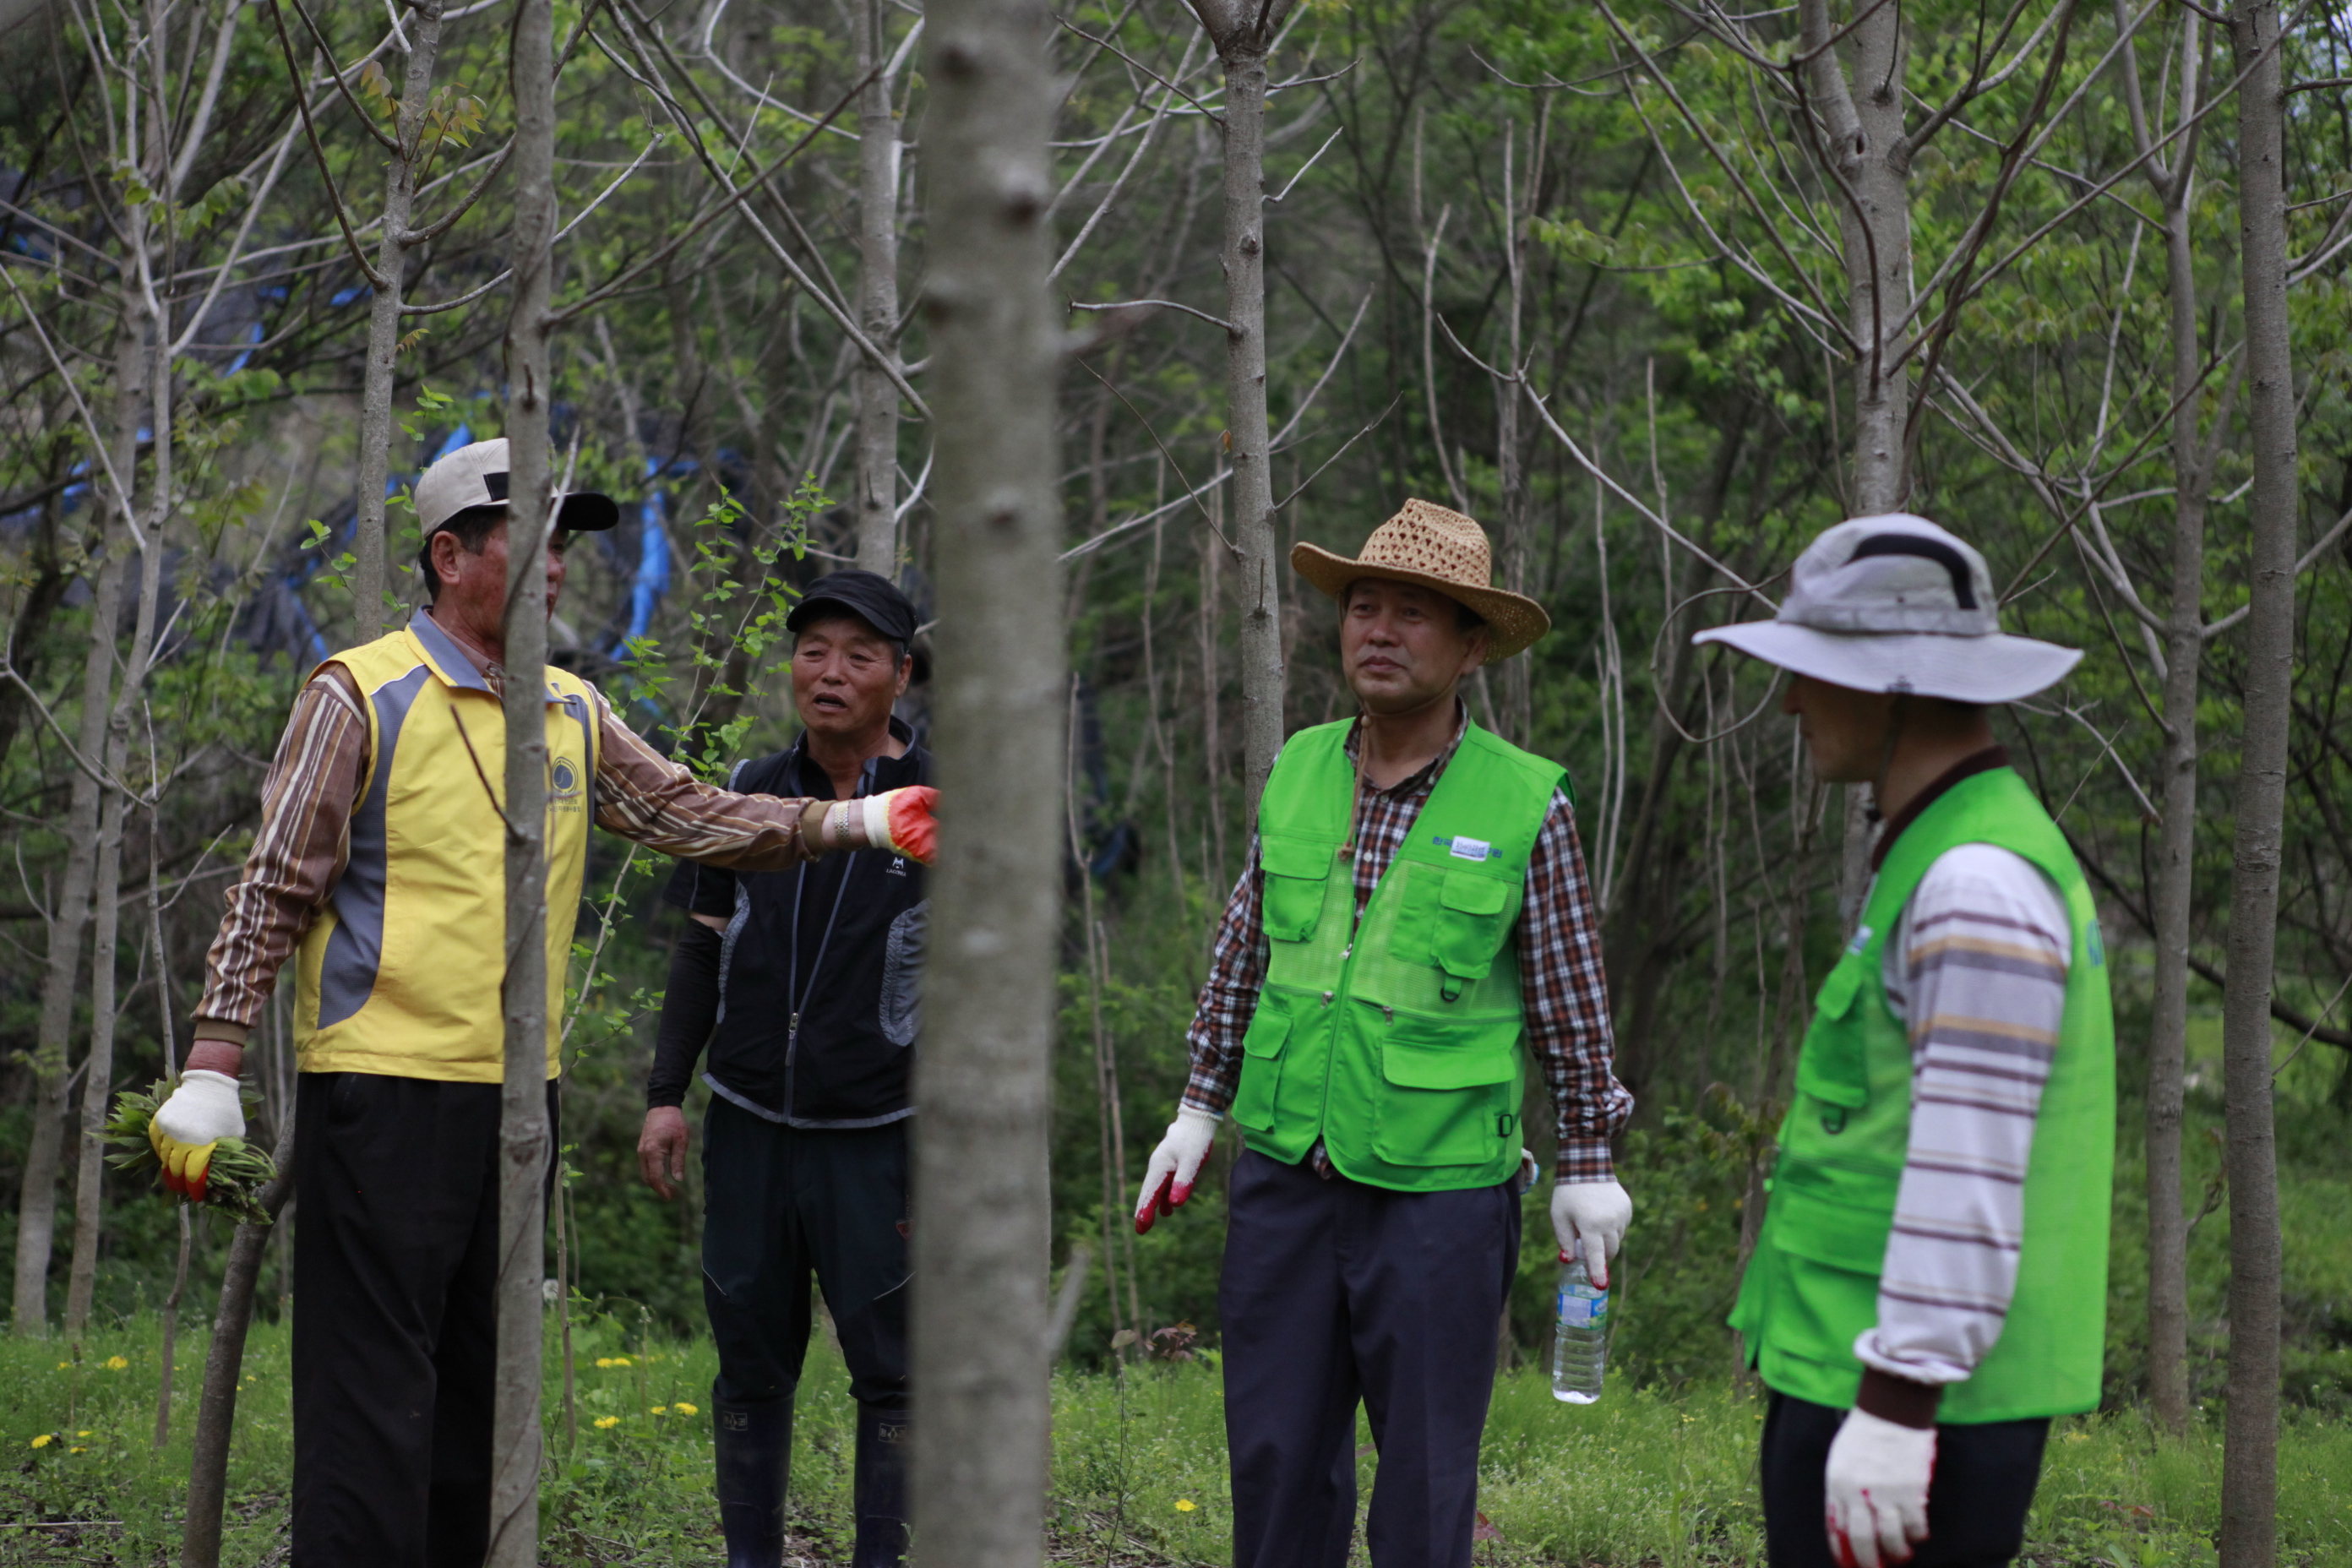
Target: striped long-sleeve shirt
<point>1976,968</point>
<point>1560,979</point>
<point>313,787</point>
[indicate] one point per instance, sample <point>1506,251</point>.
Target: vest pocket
<point>1831,1067</point>
<point>1471,924</point>
<point>1296,874</point>
<point>1262,1043</point>
<point>1453,1090</point>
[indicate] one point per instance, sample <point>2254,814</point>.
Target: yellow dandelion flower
<point>83,1433</point>
<point>603,1361</point>
<point>620,1361</point>
<point>116,1363</point>
<point>1185,1505</point>
<point>77,1449</point>
<point>683,1408</point>
<point>605,1423</point>
<point>659,1410</point>
<point>63,1364</point>
<point>45,1440</point>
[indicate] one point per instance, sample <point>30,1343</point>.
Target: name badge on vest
<point>1463,849</point>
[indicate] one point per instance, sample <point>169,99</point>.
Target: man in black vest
<point>802,983</point>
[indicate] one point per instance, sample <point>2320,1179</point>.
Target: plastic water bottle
<point>1579,1345</point>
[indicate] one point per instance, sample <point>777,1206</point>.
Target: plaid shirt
<point>1560,982</point>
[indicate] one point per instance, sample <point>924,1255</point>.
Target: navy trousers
<point>782,1203</point>
<point>1983,1484</point>
<point>1336,1293</point>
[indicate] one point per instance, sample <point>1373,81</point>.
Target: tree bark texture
<point>1243,34</point>
<point>37,1205</point>
<point>370,576</point>
<point>980,1260</point>
<point>200,1539</point>
<point>1865,159</point>
<point>522,1126</point>
<point>877,300</point>
<point>2168,1045</point>
<point>2250,1451</point>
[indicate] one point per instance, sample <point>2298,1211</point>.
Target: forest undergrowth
<point>1649,1476</point>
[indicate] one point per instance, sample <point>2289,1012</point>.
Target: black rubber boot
<point>885,1447</point>
<point>753,1446</point>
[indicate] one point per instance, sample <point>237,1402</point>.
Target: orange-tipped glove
<point>1175,1165</point>
<point>901,821</point>
<point>187,1126</point>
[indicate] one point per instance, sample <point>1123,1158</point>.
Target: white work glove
<point>1168,1180</point>
<point>901,821</point>
<point>194,1118</point>
<point>1877,1489</point>
<point>1595,1214</point>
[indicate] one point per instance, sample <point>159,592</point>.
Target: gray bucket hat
<point>1896,604</point>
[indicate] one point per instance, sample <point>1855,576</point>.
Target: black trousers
<point>396,1274</point>
<point>1983,1484</point>
<point>1333,1293</point>
<point>783,1203</point>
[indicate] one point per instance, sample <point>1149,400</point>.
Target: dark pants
<point>1335,1292</point>
<point>1976,1505</point>
<point>396,1274</point>
<point>780,1203</point>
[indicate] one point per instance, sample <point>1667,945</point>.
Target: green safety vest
<point>1396,1042</point>
<point>1811,1288</point>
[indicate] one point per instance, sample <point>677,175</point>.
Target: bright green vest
<point>1397,1043</point>
<point>1812,1287</point>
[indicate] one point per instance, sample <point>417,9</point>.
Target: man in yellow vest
<point>1415,920</point>
<point>1929,1286</point>
<point>379,871</point>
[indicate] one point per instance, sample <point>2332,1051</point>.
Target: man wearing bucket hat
<point>1414,921</point>
<point>377,870</point>
<point>1929,1286</point>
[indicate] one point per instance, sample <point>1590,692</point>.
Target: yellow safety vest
<point>400,974</point>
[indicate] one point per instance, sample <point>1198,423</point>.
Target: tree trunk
<point>1243,34</point>
<point>981,1246</point>
<point>522,1121</point>
<point>200,1538</point>
<point>2250,1452</point>
<point>2167,1229</point>
<point>36,1205</point>
<point>877,300</point>
<point>369,577</point>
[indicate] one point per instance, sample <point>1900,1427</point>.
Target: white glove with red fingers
<point>1595,1214</point>
<point>1175,1165</point>
<point>901,821</point>
<point>194,1117</point>
<point>1876,1505</point>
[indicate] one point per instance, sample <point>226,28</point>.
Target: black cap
<point>868,595</point>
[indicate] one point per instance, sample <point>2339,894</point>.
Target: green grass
<point>1644,1476</point>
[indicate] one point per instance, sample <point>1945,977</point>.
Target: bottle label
<point>1581,1312</point>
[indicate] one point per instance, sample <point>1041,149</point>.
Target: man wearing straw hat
<point>1415,920</point>
<point>1929,1286</point>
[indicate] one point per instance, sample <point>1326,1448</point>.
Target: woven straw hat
<point>1437,548</point>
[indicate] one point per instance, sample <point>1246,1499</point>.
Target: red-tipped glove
<point>195,1117</point>
<point>1175,1165</point>
<point>901,821</point>
<point>1876,1489</point>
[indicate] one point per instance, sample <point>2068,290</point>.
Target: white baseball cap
<point>477,476</point>
<point>1896,604</point>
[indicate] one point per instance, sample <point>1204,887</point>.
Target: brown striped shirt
<point>314,786</point>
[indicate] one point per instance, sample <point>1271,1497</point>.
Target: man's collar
<point>456,665</point>
<point>1427,771</point>
<point>1976,763</point>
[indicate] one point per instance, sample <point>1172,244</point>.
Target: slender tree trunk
<point>168,1356</point>
<point>981,1246</point>
<point>522,1122</point>
<point>200,1538</point>
<point>1515,525</point>
<point>36,1207</point>
<point>2167,1229</point>
<point>877,300</point>
<point>1243,34</point>
<point>369,577</point>
<point>2250,1453</point>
